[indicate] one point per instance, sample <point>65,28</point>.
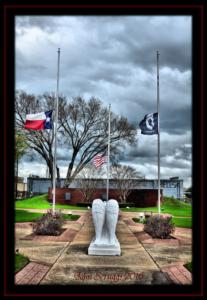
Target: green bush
<point>49,224</point>
<point>121,205</point>
<point>84,204</point>
<point>159,227</point>
<point>127,204</point>
<point>188,266</point>
<point>139,220</point>
<point>74,217</point>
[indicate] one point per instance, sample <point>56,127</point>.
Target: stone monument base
<point>104,249</point>
<point>105,217</point>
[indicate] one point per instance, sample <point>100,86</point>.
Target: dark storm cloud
<point>137,152</point>
<point>172,163</point>
<point>63,154</point>
<point>176,121</point>
<point>48,24</point>
<point>134,36</point>
<point>168,162</point>
<point>176,154</point>
<point>173,56</point>
<point>183,152</point>
<point>32,156</point>
<point>113,58</point>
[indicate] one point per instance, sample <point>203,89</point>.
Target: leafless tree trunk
<point>85,126</point>
<point>82,127</point>
<point>58,177</point>
<point>40,141</point>
<point>88,180</point>
<point>125,179</point>
<point>17,175</point>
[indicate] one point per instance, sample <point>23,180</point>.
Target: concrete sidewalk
<point>63,210</point>
<point>66,262</point>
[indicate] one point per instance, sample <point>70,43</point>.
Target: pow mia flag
<point>149,125</point>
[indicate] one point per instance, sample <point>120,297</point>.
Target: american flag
<point>99,159</point>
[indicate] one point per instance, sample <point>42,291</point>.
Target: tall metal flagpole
<point>109,132</point>
<point>55,135</point>
<point>158,135</point>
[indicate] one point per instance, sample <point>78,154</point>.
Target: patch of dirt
<point>33,235</point>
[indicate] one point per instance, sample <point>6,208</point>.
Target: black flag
<point>149,125</point>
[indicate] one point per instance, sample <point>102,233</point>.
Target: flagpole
<point>158,135</point>
<point>109,132</point>
<point>55,135</point>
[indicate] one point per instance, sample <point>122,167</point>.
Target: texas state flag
<point>39,121</point>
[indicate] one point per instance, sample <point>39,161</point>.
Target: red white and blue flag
<point>39,121</point>
<point>99,159</point>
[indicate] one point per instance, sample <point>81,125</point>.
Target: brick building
<point>143,194</point>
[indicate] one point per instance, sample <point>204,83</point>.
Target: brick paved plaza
<point>63,260</point>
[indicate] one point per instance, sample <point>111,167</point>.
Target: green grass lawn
<point>25,216</point>
<point>172,206</point>
<point>181,212</point>
<point>20,262</point>
<point>40,202</point>
<point>188,266</point>
<point>182,222</point>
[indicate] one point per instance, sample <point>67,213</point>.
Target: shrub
<point>139,220</point>
<point>75,217</point>
<point>188,266</point>
<point>159,227</point>
<point>84,204</point>
<point>124,205</point>
<point>49,224</point>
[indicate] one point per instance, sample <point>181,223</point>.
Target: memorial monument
<point>105,217</point>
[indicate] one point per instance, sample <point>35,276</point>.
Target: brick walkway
<point>83,218</point>
<point>35,272</point>
<point>181,237</point>
<point>31,274</point>
<point>178,273</point>
<point>129,222</point>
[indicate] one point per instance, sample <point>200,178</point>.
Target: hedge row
<point>121,205</point>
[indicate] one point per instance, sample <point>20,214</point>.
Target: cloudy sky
<point>113,58</point>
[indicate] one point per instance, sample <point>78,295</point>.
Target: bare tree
<point>82,126</point>
<point>40,141</point>
<point>85,125</point>
<point>20,150</point>
<point>124,179</point>
<point>88,180</point>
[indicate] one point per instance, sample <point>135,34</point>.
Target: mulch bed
<point>67,235</point>
<point>145,238</point>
